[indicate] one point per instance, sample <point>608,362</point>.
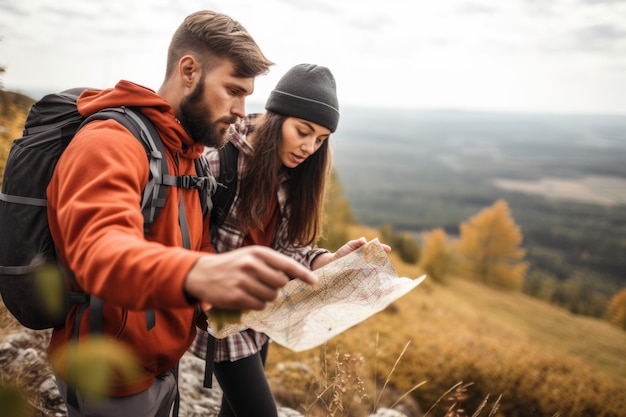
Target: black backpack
<point>26,246</point>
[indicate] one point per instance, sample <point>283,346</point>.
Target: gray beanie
<point>308,92</point>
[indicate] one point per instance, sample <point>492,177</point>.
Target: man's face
<point>214,104</point>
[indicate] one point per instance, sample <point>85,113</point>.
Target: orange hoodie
<point>94,200</point>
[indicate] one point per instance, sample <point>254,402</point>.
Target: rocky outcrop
<point>22,354</point>
<point>23,359</point>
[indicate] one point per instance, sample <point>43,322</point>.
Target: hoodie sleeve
<point>96,222</point>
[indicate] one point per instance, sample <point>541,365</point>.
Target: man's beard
<point>194,115</point>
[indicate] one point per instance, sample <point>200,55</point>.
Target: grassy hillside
<point>543,360</point>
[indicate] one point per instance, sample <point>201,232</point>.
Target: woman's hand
<point>347,248</point>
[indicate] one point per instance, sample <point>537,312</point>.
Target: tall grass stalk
<point>390,373</point>
<point>403,396</point>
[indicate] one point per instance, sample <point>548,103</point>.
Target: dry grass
<point>506,353</point>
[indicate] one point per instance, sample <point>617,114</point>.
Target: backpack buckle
<point>192,181</point>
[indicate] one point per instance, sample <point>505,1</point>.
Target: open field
<point>605,191</point>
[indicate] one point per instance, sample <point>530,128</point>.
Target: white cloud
<point>528,55</point>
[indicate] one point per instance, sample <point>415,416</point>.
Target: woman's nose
<point>308,146</point>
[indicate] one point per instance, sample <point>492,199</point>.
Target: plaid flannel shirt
<point>229,237</point>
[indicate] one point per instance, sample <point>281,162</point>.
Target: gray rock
<point>386,412</point>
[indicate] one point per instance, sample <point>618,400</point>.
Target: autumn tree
<point>402,243</point>
<point>407,247</point>
<point>387,233</point>
<point>616,310</point>
<point>489,245</point>
<point>337,215</point>
<point>435,254</point>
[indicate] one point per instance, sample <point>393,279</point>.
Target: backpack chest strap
<point>190,182</point>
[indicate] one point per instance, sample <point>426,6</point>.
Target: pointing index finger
<point>288,266</point>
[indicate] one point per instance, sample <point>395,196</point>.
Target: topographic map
<point>349,290</point>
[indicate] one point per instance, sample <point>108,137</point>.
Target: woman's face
<point>301,139</point>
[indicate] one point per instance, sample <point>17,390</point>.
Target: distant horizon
<point>257,106</point>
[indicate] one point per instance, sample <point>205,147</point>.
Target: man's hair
<point>207,35</point>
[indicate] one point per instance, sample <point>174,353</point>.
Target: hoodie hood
<point>129,94</point>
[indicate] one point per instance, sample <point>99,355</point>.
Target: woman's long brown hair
<point>306,184</point>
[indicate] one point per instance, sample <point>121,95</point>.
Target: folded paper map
<point>349,290</point>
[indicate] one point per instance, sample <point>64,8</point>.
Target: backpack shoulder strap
<point>154,196</point>
<point>227,185</point>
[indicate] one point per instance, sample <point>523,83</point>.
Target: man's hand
<point>245,278</point>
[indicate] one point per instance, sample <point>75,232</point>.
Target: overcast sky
<point>503,55</point>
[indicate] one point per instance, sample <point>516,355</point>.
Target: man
<point>95,218</point>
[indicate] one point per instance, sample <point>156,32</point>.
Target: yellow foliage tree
<point>616,310</point>
<point>337,215</point>
<point>403,243</point>
<point>14,108</point>
<point>435,254</point>
<point>489,245</point>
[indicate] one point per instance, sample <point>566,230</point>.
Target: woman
<point>283,164</point>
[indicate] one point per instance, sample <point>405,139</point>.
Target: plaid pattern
<point>248,342</point>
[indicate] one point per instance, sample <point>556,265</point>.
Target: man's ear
<point>189,70</point>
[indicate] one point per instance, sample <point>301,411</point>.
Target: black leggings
<point>246,390</point>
